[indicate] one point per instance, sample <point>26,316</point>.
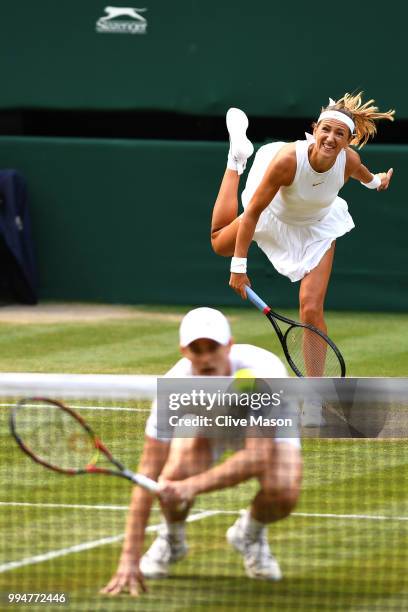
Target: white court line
<point>113,408</point>
<point>96,507</point>
<point>81,506</point>
<point>365,517</point>
<point>369,517</point>
<point>195,517</point>
<point>53,554</point>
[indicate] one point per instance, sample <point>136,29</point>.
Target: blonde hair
<point>363,116</point>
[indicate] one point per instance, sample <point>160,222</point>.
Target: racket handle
<point>153,487</point>
<point>255,299</point>
<point>145,482</point>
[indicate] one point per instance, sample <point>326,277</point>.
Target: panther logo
<point>116,11</point>
<point>122,20</point>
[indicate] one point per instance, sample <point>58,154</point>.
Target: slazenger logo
<point>116,22</point>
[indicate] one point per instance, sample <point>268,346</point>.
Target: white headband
<point>333,114</point>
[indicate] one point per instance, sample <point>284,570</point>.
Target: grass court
<point>344,547</point>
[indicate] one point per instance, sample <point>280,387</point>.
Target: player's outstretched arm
<point>128,576</point>
<point>358,171</point>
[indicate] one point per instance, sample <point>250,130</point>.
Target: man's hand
<point>128,577</point>
<point>238,282</point>
<point>385,179</point>
<point>176,492</point>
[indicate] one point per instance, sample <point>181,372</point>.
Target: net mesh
<point>311,354</point>
<point>344,547</point>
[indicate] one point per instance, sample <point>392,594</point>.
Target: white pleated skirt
<point>295,250</point>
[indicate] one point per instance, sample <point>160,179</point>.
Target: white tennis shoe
<point>241,148</point>
<point>259,562</point>
<point>312,414</point>
<point>164,551</point>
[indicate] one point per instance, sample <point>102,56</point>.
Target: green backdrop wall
<point>271,58</point>
<point>128,222</point>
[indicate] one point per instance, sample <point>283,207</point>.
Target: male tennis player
<point>184,466</point>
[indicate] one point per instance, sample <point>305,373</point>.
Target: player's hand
<point>238,282</point>
<point>128,577</point>
<point>173,492</point>
<point>385,179</point>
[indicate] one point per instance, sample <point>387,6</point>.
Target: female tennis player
<point>291,204</point>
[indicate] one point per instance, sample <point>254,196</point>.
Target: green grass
<point>373,344</point>
<point>330,563</point>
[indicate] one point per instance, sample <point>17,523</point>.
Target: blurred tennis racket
<point>308,351</point>
<point>58,438</point>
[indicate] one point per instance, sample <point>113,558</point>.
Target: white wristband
<point>239,265</point>
<point>374,183</point>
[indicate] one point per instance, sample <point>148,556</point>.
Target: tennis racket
<point>308,351</point>
<point>58,438</point>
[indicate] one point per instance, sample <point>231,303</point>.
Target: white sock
<point>252,527</point>
<point>237,166</point>
<point>176,530</point>
<point>231,163</point>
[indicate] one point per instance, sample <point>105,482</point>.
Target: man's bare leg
<point>280,487</point>
<point>187,457</point>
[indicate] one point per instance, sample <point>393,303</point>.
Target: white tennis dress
<point>300,224</point>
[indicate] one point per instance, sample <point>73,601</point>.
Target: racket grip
<point>255,299</point>
<point>153,487</point>
<point>145,482</point>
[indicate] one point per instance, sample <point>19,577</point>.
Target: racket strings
<point>311,353</point>
<point>54,436</point>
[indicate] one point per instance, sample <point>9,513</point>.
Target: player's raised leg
<point>224,224</point>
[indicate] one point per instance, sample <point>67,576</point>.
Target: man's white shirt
<point>262,363</point>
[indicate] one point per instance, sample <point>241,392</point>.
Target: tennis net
<point>344,546</point>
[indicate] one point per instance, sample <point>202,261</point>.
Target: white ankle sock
<point>231,163</point>
<point>176,530</point>
<point>234,165</point>
<point>252,527</point>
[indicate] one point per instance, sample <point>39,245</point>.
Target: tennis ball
<point>244,381</point>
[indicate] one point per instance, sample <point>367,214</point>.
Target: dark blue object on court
<point>18,276</point>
